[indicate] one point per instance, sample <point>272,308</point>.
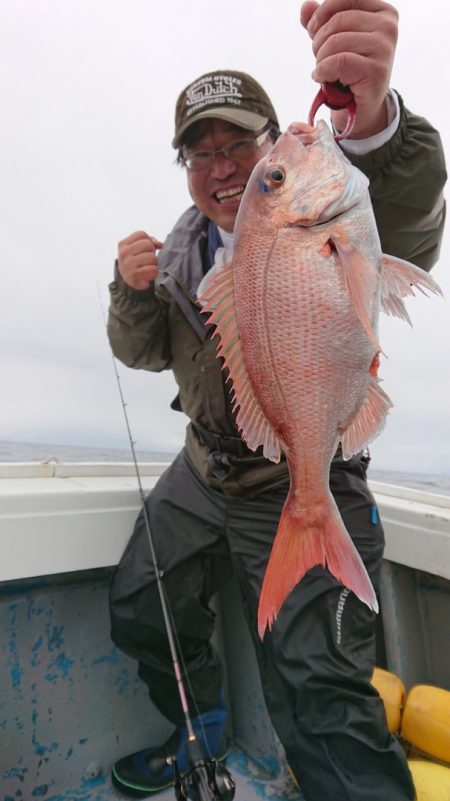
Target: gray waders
<point>317,662</point>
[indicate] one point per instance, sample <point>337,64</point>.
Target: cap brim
<point>245,119</point>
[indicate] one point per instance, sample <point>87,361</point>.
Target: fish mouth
<point>232,193</point>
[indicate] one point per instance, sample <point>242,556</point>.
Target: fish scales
<point>293,345</point>
<point>296,314</point>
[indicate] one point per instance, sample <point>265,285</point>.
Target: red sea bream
<point>297,316</point>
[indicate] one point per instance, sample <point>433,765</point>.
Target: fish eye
<point>274,177</point>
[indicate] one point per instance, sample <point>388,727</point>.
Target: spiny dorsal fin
<point>218,298</point>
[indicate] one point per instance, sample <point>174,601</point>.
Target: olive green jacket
<point>162,327</point>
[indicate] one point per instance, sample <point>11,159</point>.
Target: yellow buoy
<point>432,781</point>
<point>392,691</point>
<point>426,721</point>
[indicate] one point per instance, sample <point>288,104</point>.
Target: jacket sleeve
<point>137,326</point>
<point>407,177</point>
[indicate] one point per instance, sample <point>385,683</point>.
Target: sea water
<point>43,452</point>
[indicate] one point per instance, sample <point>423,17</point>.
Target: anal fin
<point>369,420</point>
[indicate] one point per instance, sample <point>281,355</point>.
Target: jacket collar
<point>181,265</point>
<point>183,252</point>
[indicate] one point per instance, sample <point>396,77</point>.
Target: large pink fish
<point>297,313</point>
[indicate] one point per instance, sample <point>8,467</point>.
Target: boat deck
<point>253,783</point>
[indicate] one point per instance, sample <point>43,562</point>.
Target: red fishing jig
<point>336,96</point>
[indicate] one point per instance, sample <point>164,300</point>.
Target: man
<point>216,509</point>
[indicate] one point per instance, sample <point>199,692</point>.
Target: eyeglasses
<point>239,150</point>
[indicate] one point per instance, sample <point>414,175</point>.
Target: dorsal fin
<point>217,298</point>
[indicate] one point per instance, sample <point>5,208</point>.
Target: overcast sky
<point>88,89</point>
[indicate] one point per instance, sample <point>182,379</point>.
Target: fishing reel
<point>207,780</point>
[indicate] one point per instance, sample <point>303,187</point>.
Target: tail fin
<point>316,536</point>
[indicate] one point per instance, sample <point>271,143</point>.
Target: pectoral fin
<point>218,298</point>
<point>360,280</point>
<point>398,279</point>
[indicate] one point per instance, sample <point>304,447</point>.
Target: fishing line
<point>206,780</point>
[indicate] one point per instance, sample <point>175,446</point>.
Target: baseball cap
<point>227,95</point>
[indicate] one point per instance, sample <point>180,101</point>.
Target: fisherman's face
<point>217,190</point>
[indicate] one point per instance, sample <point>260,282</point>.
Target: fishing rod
<point>206,779</point>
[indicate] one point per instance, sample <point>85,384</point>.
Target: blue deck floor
<point>253,783</point>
